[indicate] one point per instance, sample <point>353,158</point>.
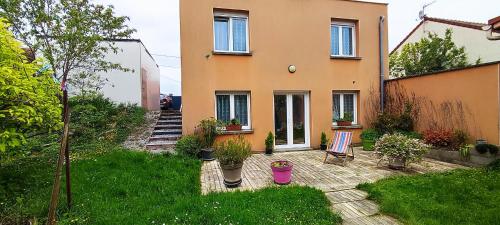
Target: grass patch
<point>457,197</point>
<point>112,185</point>
<point>124,187</point>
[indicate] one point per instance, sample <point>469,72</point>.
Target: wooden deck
<point>338,182</point>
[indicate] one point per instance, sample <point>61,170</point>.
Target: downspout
<point>381,51</point>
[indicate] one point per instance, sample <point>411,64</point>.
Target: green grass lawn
<point>458,197</point>
<point>125,187</point>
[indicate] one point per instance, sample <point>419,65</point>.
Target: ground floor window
<point>345,104</point>
<point>233,105</point>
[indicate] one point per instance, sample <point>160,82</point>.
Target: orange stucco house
<point>285,66</point>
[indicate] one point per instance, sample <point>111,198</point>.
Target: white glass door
<point>291,120</point>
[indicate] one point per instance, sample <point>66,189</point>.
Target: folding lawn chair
<point>340,145</point>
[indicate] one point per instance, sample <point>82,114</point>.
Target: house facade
<point>284,66</point>
<point>139,85</point>
<point>468,34</point>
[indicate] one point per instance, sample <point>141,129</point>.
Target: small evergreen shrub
<point>188,145</point>
<point>324,139</point>
<point>369,134</point>
<point>269,142</point>
<point>483,148</point>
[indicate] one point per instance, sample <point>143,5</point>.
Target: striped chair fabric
<point>341,142</point>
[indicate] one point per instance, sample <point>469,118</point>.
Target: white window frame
<point>231,107</point>
<point>230,17</point>
<point>341,39</point>
<point>341,102</point>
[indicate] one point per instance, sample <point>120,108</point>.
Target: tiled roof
<point>467,24</point>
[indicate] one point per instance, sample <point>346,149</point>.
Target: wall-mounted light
<point>292,69</point>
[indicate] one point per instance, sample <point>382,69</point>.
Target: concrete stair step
<point>167,131</point>
<point>161,145</point>
<point>170,118</point>
<point>167,126</point>
<point>169,122</point>
<point>166,137</point>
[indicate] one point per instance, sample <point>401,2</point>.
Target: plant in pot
<point>324,141</point>
<point>269,142</point>
<point>233,125</point>
<point>282,171</point>
<point>345,121</point>
<point>400,150</point>
<point>207,132</point>
<point>231,155</point>
<point>368,139</point>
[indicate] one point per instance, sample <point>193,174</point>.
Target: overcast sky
<point>157,24</point>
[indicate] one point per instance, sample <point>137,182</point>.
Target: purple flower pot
<point>282,175</point>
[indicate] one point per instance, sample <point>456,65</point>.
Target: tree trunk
<point>63,151</point>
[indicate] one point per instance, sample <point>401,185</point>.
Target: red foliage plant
<point>438,137</point>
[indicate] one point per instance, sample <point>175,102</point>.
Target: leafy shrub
<point>405,121</point>
<point>413,134</point>
<point>399,146</point>
<point>385,123</point>
<point>97,118</point>
<point>459,139</point>
<point>188,145</point>
<point>232,151</point>
<point>483,148</point>
<point>438,137</point>
<point>269,142</point>
<point>207,132</point>
<point>369,134</point>
<point>464,151</point>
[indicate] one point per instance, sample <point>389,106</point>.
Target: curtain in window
<point>221,32</point>
<point>347,41</point>
<point>336,106</point>
<point>239,34</point>
<point>241,109</point>
<point>334,35</point>
<point>223,108</point>
<point>349,104</point>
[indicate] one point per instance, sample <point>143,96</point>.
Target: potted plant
<point>282,171</point>
<point>231,155</point>
<point>234,125</point>
<point>207,132</point>
<point>269,142</point>
<point>368,139</point>
<point>400,149</point>
<point>345,121</point>
<point>324,141</point>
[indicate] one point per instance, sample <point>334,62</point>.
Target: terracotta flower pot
<point>233,127</point>
<point>282,175</point>
<point>344,123</point>
<point>232,174</point>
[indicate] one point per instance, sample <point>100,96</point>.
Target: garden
<point>462,196</point>
<point>113,185</point>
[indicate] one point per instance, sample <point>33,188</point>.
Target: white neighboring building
<point>140,85</point>
<point>467,34</point>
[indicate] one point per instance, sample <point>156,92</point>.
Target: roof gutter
<point>381,58</point>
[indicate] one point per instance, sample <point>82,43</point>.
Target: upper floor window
<point>233,105</point>
<point>230,32</point>
<point>343,36</point>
